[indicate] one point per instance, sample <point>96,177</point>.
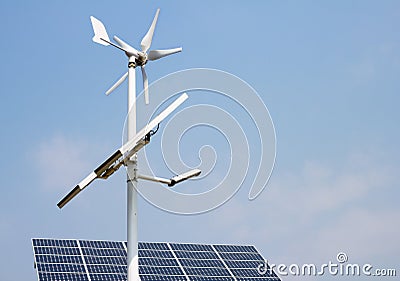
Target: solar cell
<point>58,259</point>
<point>103,252</point>
<point>241,256</point>
<point>162,278</point>
<point>201,263</point>
<point>156,254</point>
<point>191,247</point>
<point>258,279</point>
<point>196,255</point>
<point>57,251</point>
<point>105,260</point>
<point>206,271</point>
<point>157,262</point>
<point>50,276</point>
<point>197,278</point>
<point>253,272</point>
<point>153,246</point>
<point>108,277</point>
<point>101,244</point>
<point>160,270</point>
<point>235,248</point>
<point>55,242</point>
<point>86,260</point>
<point>243,264</point>
<point>61,267</point>
<point>107,268</point>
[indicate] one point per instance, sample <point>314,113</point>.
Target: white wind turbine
<point>127,153</point>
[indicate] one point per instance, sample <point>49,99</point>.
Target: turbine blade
<point>100,33</point>
<point>146,41</point>
<point>158,54</point>
<point>119,82</point>
<point>145,85</point>
<point>126,47</point>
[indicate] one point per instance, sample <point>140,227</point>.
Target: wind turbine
<point>127,154</point>
<point>139,58</point>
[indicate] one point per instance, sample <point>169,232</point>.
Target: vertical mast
<point>132,221</point>
<point>136,58</point>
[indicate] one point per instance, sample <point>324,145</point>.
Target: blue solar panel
<point>85,260</point>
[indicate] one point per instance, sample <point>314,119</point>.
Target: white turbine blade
<point>146,41</point>
<point>126,47</point>
<point>100,33</point>
<point>158,54</point>
<point>145,85</point>
<point>143,132</point>
<point>77,189</point>
<point>119,82</point>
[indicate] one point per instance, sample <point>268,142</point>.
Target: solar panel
<point>87,260</point>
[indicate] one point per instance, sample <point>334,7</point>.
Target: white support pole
<point>132,221</point>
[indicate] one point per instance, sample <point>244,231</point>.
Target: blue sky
<point>328,73</point>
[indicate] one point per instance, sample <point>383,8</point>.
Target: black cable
<point>154,132</point>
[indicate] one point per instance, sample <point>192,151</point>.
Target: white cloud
<point>61,161</point>
<point>311,215</point>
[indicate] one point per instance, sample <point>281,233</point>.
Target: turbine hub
<point>142,59</point>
